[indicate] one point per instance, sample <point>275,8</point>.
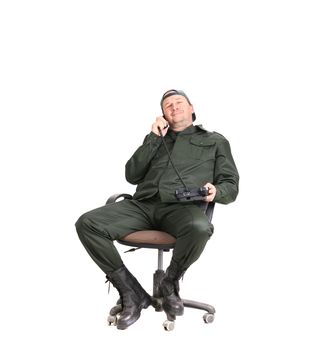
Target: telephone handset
<point>165,127</point>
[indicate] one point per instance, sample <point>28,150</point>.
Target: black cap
<point>172,92</point>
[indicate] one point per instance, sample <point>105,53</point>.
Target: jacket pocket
<point>202,148</point>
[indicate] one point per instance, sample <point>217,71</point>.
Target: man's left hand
<point>211,192</point>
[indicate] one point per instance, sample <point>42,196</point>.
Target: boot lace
<point>109,286</point>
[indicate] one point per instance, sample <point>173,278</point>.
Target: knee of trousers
<point>85,225</point>
<point>200,230</point>
<point>88,225</point>
<point>82,224</point>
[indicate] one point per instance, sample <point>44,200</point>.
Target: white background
<point>81,83</point>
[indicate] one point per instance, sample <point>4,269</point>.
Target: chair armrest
<point>210,210</point>
<point>116,196</point>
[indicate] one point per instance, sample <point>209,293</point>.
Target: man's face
<point>178,112</point>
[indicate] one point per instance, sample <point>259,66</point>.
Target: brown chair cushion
<point>149,237</point>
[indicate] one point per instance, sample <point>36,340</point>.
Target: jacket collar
<point>192,129</point>
<point>189,130</point>
<point>200,126</point>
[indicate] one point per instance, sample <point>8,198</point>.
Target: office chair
<point>163,242</point>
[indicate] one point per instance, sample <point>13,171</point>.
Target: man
<point>201,158</point>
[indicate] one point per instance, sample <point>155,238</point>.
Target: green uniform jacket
<point>200,157</point>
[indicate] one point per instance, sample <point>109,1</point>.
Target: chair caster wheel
<point>112,320</point>
<point>208,318</point>
<point>168,325</point>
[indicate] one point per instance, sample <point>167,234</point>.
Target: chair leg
<point>208,316</point>
<point>198,305</point>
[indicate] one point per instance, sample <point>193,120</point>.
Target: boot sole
<point>144,305</point>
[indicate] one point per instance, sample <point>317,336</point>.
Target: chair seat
<point>149,239</point>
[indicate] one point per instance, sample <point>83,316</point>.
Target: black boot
<point>133,297</point>
<point>169,289</point>
<point>117,308</point>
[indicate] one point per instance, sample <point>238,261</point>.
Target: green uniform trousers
<point>98,228</point>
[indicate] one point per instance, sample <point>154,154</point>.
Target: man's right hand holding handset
<point>161,123</point>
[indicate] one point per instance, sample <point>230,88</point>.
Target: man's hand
<point>161,123</point>
<point>211,192</point>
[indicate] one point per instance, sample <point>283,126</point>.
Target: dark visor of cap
<point>174,92</point>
